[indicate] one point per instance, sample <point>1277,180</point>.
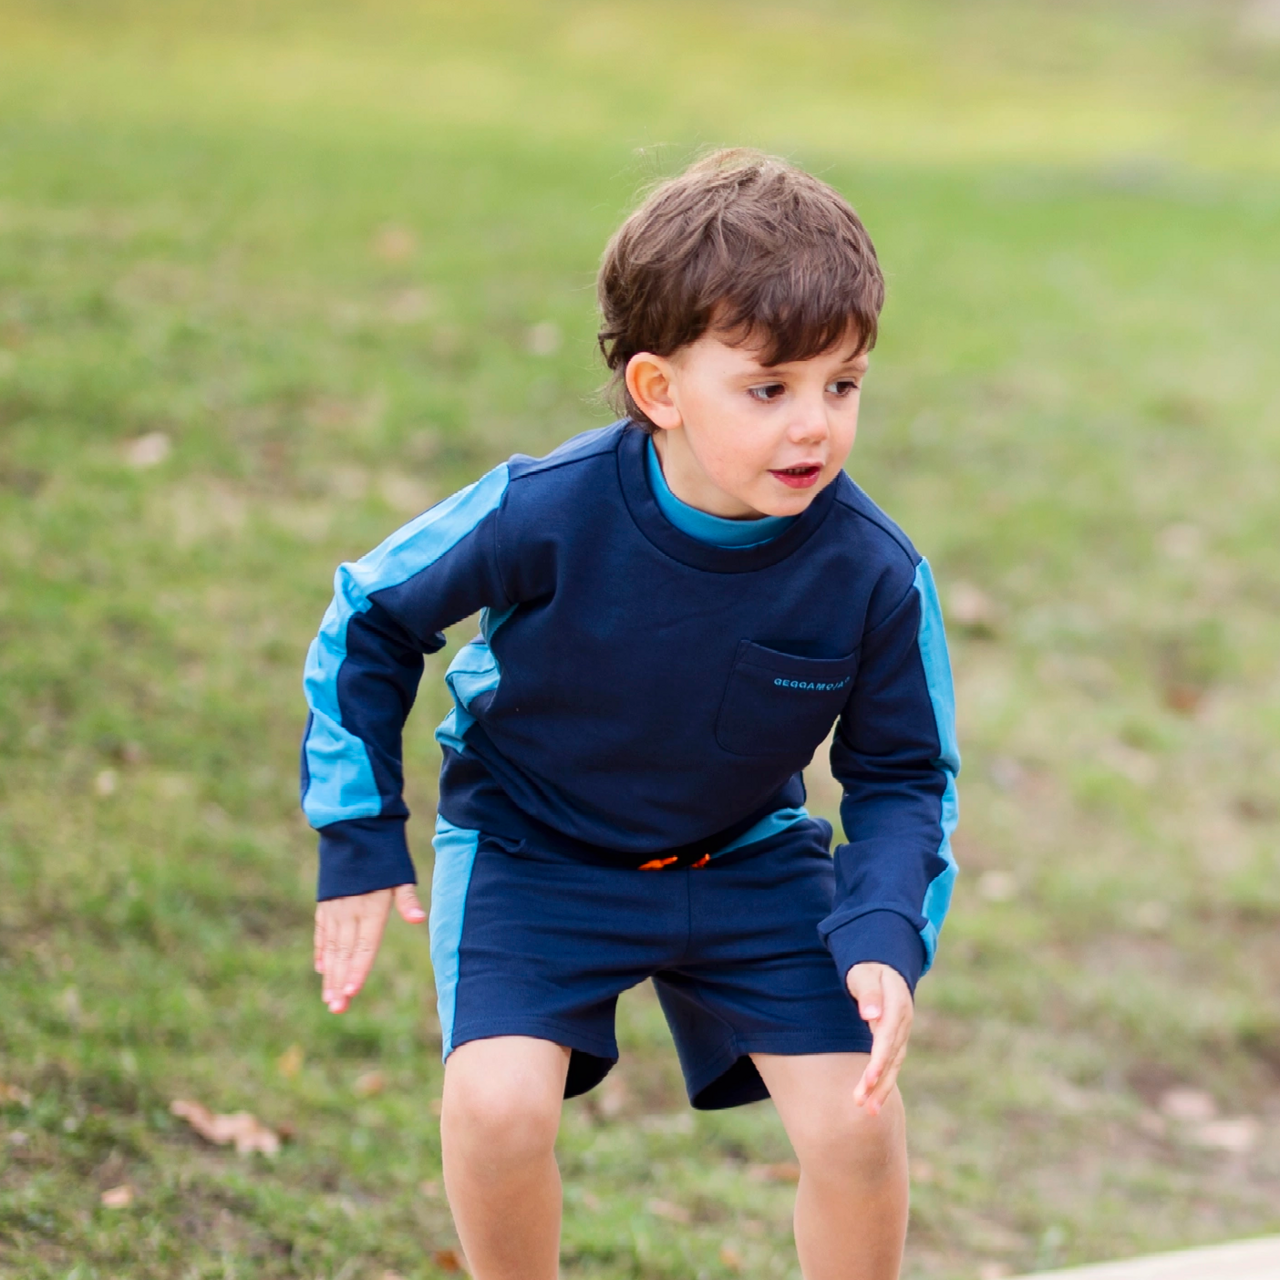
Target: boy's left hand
<point>885,1005</point>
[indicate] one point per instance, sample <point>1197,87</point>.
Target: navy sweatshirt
<point>635,691</point>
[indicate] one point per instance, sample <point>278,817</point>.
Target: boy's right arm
<point>389,609</point>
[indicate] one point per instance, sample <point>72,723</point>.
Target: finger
<point>894,1031</point>
<point>408,905</point>
<point>882,1038</point>
<point>368,939</point>
<point>887,1082</point>
<point>329,954</point>
<point>866,986</point>
<point>317,943</point>
<point>348,928</point>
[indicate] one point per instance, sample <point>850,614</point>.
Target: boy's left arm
<point>894,752</point>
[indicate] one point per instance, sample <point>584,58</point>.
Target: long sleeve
<point>895,754</point>
<point>388,610</point>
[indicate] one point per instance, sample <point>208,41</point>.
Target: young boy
<point>675,610</point>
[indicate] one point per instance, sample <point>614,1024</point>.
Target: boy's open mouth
<point>798,477</point>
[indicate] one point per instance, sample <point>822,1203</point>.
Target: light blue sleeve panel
<point>937,671</point>
<point>340,779</point>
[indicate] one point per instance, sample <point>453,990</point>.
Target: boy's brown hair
<point>745,244</point>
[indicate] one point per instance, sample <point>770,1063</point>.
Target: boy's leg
<point>851,1204</point>
<point>498,1124</point>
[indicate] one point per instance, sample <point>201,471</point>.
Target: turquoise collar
<point>716,531</point>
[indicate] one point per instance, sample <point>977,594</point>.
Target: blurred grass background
<point>273,278</point>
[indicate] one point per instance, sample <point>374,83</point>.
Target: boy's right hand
<point>348,933</point>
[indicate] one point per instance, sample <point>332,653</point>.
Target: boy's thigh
<point>757,978</point>
<point>526,943</point>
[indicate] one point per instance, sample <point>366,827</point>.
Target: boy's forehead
<point>753,348</point>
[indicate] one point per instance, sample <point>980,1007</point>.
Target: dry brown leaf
<point>730,1257</point>
<point>241,1128</point>
<point>11,1093</point>
<point>447,1260</point>
<point>783,1171</point>
<point>370,1083</point>
<point>120,1197</point>
<point>1183,698</point>
<point>289,1063</point>
<point>665,1209</point>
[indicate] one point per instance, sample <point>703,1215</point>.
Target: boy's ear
<point>650,383</point>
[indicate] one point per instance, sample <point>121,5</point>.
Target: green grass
<point>308,244</point>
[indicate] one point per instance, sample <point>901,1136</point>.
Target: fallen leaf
<point>730,1257</point>
<point>783,1171</point>
<point>1192,1106</point>
<point>120,1197</point>
<point>290,1061</point>
<point>11,1093</point>
<point>447,1260</point>
<point>240,1128</point>
<point>1183,698</point>
<point>665,1209</point>
<point>147,451</point>
<point>370,1083</point>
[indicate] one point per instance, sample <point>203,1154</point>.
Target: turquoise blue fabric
<point>937,671</point>
<point>455,858</point>
<point>340,782</point>
<point>716,531</point>
<point>473,671</point>
<point>778,821</point>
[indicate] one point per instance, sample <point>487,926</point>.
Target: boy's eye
<point>770,391</point>
<point>842,387</point>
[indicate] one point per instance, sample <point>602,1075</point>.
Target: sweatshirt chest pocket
<point>776,704</point>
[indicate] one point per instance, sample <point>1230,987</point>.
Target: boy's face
<point>742,439</point>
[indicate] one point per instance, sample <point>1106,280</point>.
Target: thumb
<point>408,905</point>
<point>866,988</point>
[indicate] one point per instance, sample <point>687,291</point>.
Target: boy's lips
<point>799,477</point>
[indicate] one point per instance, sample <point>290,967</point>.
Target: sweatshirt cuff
<point>360,855</point>
<point>881,936</point>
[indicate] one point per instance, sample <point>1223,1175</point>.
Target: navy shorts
<point>535,943</point>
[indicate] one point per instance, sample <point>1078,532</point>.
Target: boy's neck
<point>687,481</point>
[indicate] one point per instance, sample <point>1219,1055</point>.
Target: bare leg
<point>498,1125</point>
<point>851,1204</point>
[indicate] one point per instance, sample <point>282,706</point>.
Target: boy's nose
<point>810,424</point>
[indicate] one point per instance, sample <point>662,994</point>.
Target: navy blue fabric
<point>645,690</point>
<point>548,943</point>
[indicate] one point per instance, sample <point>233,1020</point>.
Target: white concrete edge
<point>1242,1260</point>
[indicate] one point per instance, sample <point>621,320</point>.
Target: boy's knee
<point>499,1112</point>
<point>845,1142</point>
